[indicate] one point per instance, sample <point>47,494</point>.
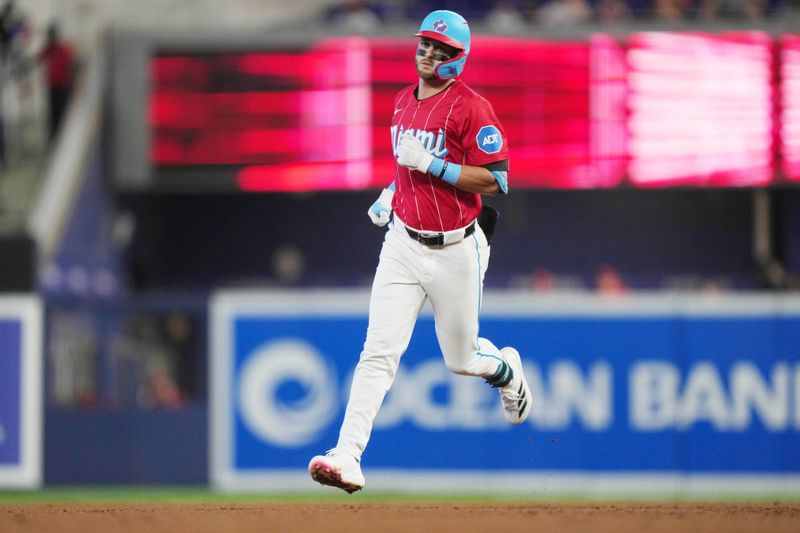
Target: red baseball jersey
<point>457,125</point>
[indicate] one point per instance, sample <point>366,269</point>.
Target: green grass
<point>201,495</point>
<point>162,495</point>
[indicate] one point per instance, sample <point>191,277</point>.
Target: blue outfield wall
<point>660,393</point>
<point>124,447</point>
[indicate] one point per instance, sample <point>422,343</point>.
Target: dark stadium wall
<point>126,446</point>
<point>17,263</point>
<point>650,236</point>
<point>788,222</point>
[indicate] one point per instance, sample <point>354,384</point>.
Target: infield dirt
<point>539,518</point>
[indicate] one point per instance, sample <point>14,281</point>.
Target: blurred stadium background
<point>201,205</point>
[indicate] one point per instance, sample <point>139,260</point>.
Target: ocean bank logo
<point>489,139</point>
<point>287,393</point>
<point>663,397</point>
<point>431,397</point>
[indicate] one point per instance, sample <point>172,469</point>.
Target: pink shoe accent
<point>325,474</point>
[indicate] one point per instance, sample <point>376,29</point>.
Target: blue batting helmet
<point>451,29</point>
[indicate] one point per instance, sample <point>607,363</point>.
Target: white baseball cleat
<point>516,395</point>
<point>337,469</point>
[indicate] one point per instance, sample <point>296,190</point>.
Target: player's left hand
<point>412,154</point>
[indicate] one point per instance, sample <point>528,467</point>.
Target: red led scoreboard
<point>659,109</point>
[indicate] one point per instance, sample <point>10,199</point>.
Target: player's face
<point>429,54</point>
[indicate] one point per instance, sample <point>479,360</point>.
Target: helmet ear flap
<point>451,68</point>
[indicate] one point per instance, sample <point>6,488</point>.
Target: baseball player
<point>450,148</point>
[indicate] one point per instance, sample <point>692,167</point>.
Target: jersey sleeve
<point>484,139</point>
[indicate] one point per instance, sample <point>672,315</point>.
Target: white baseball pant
<point>408,274</point>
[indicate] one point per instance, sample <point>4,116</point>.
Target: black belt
<point>436,239</point>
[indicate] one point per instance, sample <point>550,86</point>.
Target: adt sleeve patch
<point>489,139</point>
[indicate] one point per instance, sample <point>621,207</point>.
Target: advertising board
<point>653,393</point>
<point>20,392</point>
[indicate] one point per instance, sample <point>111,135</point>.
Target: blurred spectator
<point>563,13</point>
<point>173,385</point>
<point>711,287</point>
<point>788,10</point>
<point>288,265</point>
<point>671,10</point>
<point>608,281</point>
<point>543,280</point>
<point>13,31</point>
<point>2,126</point>
<point>469,9</point>
<point>613,11</point>
<point>505,17</point>
<point>17,94</point>
<point>355,16</point>
<point>58,59</point>
<point>752,10</point>
<point>73,352</point>
<point>147,356</point>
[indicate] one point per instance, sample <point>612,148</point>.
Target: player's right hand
<point>381,210</point>
<point>412,154</point>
